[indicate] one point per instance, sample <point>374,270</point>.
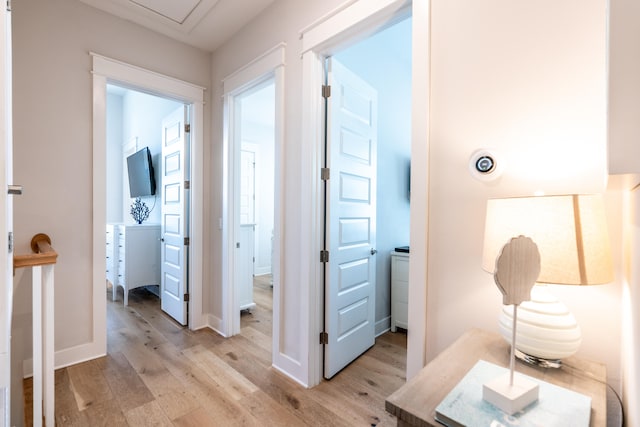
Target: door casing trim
<point>356,21</point>
<point>106,70</point>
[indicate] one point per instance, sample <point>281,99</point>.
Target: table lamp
<point>571,234</point>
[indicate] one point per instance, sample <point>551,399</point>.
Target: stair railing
<point>42,262</point>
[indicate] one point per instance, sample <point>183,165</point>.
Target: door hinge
<point>186,297</point>
<point>186,241</point>
<point>10,241</point>
<point>326,91</point>
<point>187,128</point>
<point>324,256</point>
<point>8,5</point>
<point>187,185</point>
<point>325,174</point>
<point>324,338</point>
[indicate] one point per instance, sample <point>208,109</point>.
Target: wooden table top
<point>414,403</point>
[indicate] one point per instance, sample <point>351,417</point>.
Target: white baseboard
<point>383,326</point>
<point>262,271</point>
<point>216,324</point>
<point>68,357</point>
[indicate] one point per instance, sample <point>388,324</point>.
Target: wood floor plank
<point>233,382</point>
<point>382,376</point>
<point>88,384</point>
<point>258,319</point>
<point>67,412</point>
<point>124,382</point>
<point>147,304</point>
<point>196,418</point>
<point>268,412</point>
<point>149,414</point>
<point>346,396</point>
<point>290,395</point>
<point>257,337</point>
<point>105,413</point>
<point>216,399</point>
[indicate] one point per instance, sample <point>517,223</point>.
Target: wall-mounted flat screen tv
<point>142,181</point>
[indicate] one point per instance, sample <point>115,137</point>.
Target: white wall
<point>528,79</point>
<point>630,312</point>
<point>384,61</point>
<point>142,116</point>
<point>624,152</point>
<point>52,140</point>
<point>624,86</point>
<point>114,158</point>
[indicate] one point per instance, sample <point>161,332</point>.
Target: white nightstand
<point>399,290</point>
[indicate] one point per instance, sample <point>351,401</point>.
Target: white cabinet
<point>112,255</point>
<point>133,256</point>
<point>399,290</point>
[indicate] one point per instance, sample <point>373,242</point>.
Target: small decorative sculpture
<point>517,269</point>
<point>139,211</point>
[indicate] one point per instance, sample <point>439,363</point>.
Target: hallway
<point>157,373</point>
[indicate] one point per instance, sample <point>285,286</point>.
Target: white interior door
<point>174,223</point>
<point>351,218</point>
<point>246,237</point>
<point>247,187</point>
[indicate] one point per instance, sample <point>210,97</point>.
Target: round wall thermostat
<point>484,165</point>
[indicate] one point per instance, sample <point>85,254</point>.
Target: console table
<point>414,403</point>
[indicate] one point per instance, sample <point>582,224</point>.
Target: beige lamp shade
<point>569,230</point>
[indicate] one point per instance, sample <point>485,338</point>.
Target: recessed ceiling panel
<point>202,23</point>
<point>177,11</point>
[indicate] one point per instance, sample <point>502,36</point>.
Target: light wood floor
<point>159,374</point>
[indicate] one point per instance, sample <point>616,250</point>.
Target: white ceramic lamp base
<point>546,328</point>
<point>510,398</point>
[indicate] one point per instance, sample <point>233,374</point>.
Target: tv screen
<point>141,178</point>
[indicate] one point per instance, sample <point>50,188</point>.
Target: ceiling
<point>205,24</point>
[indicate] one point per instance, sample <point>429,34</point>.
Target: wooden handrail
<point>43,253</point>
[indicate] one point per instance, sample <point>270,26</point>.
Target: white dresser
<point>399,290</point>
<point>133,256</point>
<point>112,254</point>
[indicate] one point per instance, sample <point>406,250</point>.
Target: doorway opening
<point>147,215</point>
<point>367,202</point>
<point>106,71</point>
<point>253,141</point>
<point>252,201</point>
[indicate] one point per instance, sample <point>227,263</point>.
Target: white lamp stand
<point>510,398</point>
<point>517,269</point>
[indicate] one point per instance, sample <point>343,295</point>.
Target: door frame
<point>346,25</point>
<point>6,216</point>
<point>268,66</point>
<point>107,70</point>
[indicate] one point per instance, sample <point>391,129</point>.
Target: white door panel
<point>174,225</point>
<point>351,218</point>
